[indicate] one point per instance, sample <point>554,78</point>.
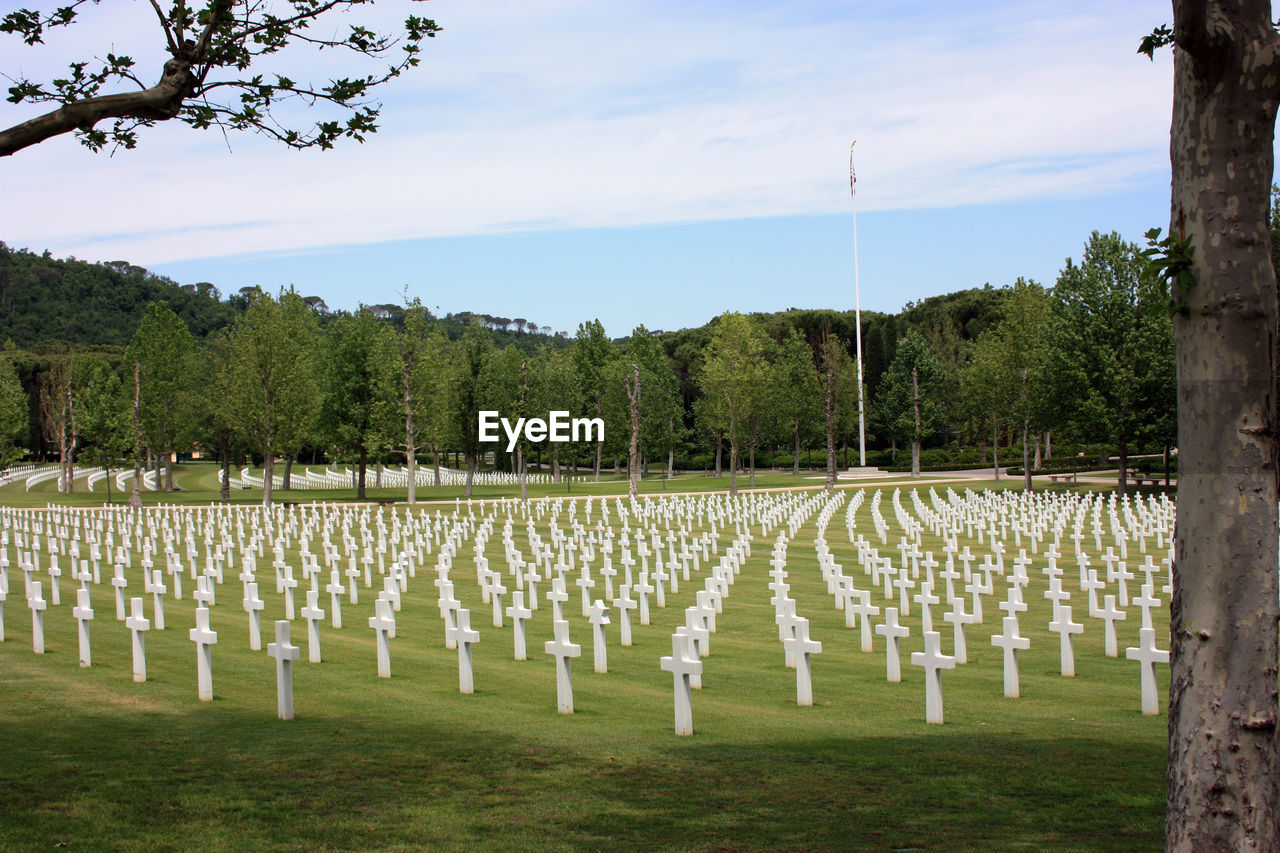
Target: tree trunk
<point>364,470</point>
<point>135,497</point>
<point>751,455</point>
<point>733,458</point>
<point>1122,488</point>
<point>411,469</point>
<point>522,465</point>
<point>719,453</point>
<point>795,464</point>
<point>599,443</point>
<point>555,462</point>
<point>471,471</point>
<point>225,492</point>
<point>286,482</point>
<point>915,438</point>
<point>1026,456</point>
<point>830,411</point>
<point>633,454</point>
<point>438,479</point>
<point>268,475</point>
<point>1223,686</point>
<point>995,445</point>
<point>1048,444</point>
<point>1038,461</point>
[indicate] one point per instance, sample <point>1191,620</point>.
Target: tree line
<point>1087,360</point>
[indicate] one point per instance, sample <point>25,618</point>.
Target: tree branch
<point>162,101</point>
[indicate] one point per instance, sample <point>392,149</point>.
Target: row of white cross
<point>346,539</point>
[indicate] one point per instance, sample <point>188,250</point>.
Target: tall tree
<point>469,384</point>
<point>273,371</point>
<point>660,412</point>
<point>795,393</point>
<point>838,382</point>
<point>908,394</point>
<point>1224,790</point>
<point>413,375</point>
<point>13,415</point>
<point>557,388</point>
<point>208,78</point>
<point>58,414</point>
<point>358,366</point>
<point>218,428</point>
<point>1007,369</point>
<point>165,351</point>
<point>734,381</point>
<point>592,353</point>
<point>1108,344</point>
<point>103,416</point>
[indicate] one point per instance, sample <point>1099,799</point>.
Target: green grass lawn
<point>93,761</point>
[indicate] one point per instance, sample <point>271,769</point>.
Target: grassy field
<point>93,761</point>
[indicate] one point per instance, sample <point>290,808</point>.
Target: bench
<point>1057,478</point>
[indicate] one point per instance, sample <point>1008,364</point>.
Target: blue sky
<point>652,163</point>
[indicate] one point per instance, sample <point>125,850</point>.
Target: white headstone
<point>83,614</point>
<point>933,662</point>
<point>563,651</point>
<point>682,664</point>
<point>466,637</point>
<point>138,625</point>
<point>892,632</point>
<point>204,640</point>
<point>285,654</point>
<point>1147,655</point>
<point>519,614</point>
<point>1011,643</point>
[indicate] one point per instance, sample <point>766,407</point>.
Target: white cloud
<point>583,113</point>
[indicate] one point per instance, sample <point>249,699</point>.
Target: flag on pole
<point>853,179</point>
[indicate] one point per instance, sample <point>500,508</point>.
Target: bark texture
<point>1222,698</point>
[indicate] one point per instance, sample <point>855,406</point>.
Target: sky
<point>650,163</point>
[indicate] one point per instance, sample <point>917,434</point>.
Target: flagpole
<point>857,315</point>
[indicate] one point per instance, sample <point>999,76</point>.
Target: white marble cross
<point>138,625</point>
<point>313,614</point>
<point>1110,615</point>
<point>958,619</point>
<point>384,624</point>
<point>158,589</point>
<point>1064,628</point>
<point>285,654</point>
<point>933,662</point>
<point>864,610</point>
<point>120,584</point>
<point>204,640</point>
<point>1011,643</point>
<point>1147,655</point>
<point>254,606</point>
<point>682,664</point>
<point>557,596</point>
<point>83,614</point>
<point>519,614</point>
<point>892,632</point>
<point>802,649</point>
<point>466,637</point>
<point>564,651</point>
<point>598,615</point>
<point>38,605</point>
<point>625,605</point>
<point>335,589</point>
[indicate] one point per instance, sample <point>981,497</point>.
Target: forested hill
<point>43,298</point>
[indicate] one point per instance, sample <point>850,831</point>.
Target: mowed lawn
<point>92,761</point>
